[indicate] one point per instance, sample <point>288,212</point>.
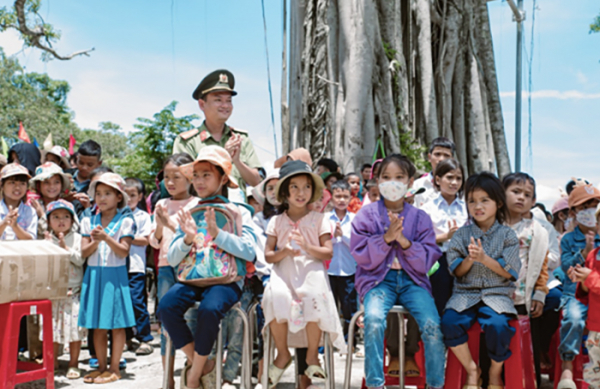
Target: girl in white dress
<point>298,303</point>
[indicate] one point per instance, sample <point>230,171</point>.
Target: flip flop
<point>73,373</point>
<point>209,381</point>
<point>107,377</point>
<point>495,386</point>
<point>144,349</point>
<point>89,378</point>
<point>394,368</point>
<point>315,372</point>
<point>471,387</point>
<point>275,373</point>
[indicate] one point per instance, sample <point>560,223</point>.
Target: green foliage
<point>595,26</point>
<point>417,153</point>
<point>36,100</point>
<point>152,144</point>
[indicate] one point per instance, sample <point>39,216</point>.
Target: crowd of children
<point>311,246</point>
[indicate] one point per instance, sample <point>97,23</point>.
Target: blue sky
<point>150,53</point>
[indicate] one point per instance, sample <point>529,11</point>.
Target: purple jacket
<point>374,257</point>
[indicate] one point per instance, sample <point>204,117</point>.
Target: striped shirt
<point>481,283</point>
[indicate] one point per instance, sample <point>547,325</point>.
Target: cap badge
<point>223,78</point>
<point>589,189</point>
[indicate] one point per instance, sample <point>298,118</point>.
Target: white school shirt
<point>137,254</point>
<point>441,213</point>
<point>27,219</point>
<point>430,193</point>
<point>342,262</point>
<point>120,227</point>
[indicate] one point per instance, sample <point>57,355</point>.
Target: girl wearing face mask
<point>394,245</point>
<point>575,246</point>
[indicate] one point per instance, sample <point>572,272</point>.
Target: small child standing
<point>297,301</point>
<point>18,221</point>
<point>137,266</point>
<point>62,231</point>
<point>343,266</point>
<point>393,244</point>
<point>588,291</point>
<point>484,259</point>
<point>50,182</point>
<point>575,246</point>
<point>356,198</point>
<point>105,297</point>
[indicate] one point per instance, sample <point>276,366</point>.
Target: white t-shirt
<point>120,227</point>
<point>137,254</point>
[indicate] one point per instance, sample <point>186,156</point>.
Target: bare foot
<point>282,359</point>
<point>304,382</point>
<point>473,376</point>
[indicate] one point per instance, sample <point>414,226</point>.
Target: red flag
<point>72,142</point>
<point>22,134</point>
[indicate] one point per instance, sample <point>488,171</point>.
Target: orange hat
<point>582,194</point>
<point>299,154</point>
<point>216,155</point>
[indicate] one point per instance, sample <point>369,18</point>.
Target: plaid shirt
<point>481,283</point>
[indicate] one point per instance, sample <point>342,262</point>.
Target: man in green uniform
<point>214,95</point>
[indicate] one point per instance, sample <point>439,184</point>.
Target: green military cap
<point>218,81</point>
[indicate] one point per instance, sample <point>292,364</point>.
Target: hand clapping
<point>211,223</point>
<point>98,234</point>
<point>578,273</point>
<point>394,232</point>
<point>476,251</point>
<point>187,225</point>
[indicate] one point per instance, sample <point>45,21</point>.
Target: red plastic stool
<point>520,372</point>
<point>578,363</point>
<point>419,381</point>
<point>11,314</point>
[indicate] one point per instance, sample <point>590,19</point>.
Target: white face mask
<point>393,190</point>
<point>587,217</point>
<point>568,222</point>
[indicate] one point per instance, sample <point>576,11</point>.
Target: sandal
<point>566,384</point>
<point>315,372</point>
<point>144,349</point>
<point>495,387</point>
<point>107,377</point>
<point>89,378</point>
<point>275,373</point>
<point>209,381</point>
<point>394,368</point>
<point>411,369</point>
<point>73,373</point>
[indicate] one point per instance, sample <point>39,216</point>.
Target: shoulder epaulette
<point>188,134</point>
<point>239,130</point>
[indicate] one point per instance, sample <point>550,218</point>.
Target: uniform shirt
<point>80,186</point>
<point>119,227</point>
<point>480,283</point>
<point>137,254</point>
<point>441,213</point>
<point>192,141</point>
<point>342,262</point>
<point>27,220</point>
<point>426,182</point>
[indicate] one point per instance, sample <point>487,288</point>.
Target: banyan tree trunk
<point>363,70</point>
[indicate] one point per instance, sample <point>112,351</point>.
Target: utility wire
<point>269,78</point>
<point>530,87</point>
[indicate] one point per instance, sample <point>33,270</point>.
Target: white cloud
<point>555,94</point>
<point>10,42</point>
<point>582,78</point>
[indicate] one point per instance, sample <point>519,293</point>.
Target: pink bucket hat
<point>560,205</point>
<point>113,180</point>
<point>216,155</point>
<point>13,169</point>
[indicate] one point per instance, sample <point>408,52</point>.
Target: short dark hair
<point>371,184</point>
<point>100,170</point>
<point>365,166</point>
<point>133,182</point>
<point>448,165</point>
<point>444,142</point>
<point>329,164</point>
<point>519,178</point>
<point>18,178</point>
<point>284,190</point>
<point>90,148</point>
<point>490,184</point>
<point>340,184</point>
<point>402,161</point>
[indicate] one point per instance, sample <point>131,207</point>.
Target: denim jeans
<point>166,279</point>
<point>233,337</point>
<point>571,327</point>
<point>399,288</point>
<point>137,288</point>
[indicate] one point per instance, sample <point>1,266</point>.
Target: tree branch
<point>34,37</point>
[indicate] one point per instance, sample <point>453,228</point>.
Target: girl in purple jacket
<point>394,247</point>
